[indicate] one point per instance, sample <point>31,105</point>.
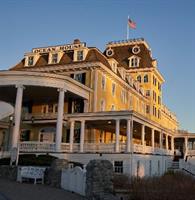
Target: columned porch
<point>107,132</point>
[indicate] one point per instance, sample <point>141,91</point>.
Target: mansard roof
<point>93,55</point>
<point>122,51</point>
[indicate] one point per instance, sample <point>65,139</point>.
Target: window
<point>147,93</point>
<point>113,89</point>
<point>30,60</point>
<point>146,79</point>
<point>54,58</point>
<point>159,86</point>
<point>139,78</point>
<point>102,105</point>
<point>134,61</point>
<point>159,114</point>
<point>154,81</point>
<point>159,100</point>
<point>130,101</point>
<point>123,96</point>
<point>80,77</point>
<point>103,82</point>
<point>118,167</point>
<point>55,108</point>
<point>112,107</point>
<point>44,109</point>
<point>154,96</point>
<point>114,67</point>
<point>154,111</point>
<point>51,108</point>
<point>79,55</point>
<point>147,109</point>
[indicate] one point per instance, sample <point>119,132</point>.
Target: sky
<point>167,25</point>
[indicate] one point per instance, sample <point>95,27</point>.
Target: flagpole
<point>127,28</point>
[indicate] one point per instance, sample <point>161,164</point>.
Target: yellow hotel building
<point>78,103</point>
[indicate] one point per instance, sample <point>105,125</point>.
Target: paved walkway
<point>10,190</point>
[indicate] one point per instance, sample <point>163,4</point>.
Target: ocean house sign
<point>58,48</point>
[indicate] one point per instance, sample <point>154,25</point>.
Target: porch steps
<point>174,166</point>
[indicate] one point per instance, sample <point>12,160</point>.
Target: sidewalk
<point>10,190</point>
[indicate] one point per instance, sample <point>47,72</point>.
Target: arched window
<point>102,105</point>
<point>134,61</point>
<point>146,78</point>
<point>139,78</point>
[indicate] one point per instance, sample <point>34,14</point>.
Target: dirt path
<point>10,190</point>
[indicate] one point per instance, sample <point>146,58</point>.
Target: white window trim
<point>113,94</point>
<point>103,86</point>
<point>133,57</point>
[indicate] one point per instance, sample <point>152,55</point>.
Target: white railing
<point>4,154</point>
<point>65,147</point>
<point>137,148</point>
<point>191,152</point>
<point>187,166</point>
<point>99,147</point>
<point>90,147</point>
<point>28,116</point>
<point>123,147</point>
<point>36,147</point>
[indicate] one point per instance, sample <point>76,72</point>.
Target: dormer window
<point>54,58</point>
<point>79,55</point>
<point>114,67</point>
<point>30,60</point>
<point>134,61</point>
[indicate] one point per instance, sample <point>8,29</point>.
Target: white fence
<point>74,180</point>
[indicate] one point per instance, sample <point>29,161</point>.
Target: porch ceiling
<point>34,94</point>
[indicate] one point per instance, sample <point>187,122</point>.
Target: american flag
<point>131,24</point>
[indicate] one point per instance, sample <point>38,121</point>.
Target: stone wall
<point>99,180</point>
<point>53,174</point>
<point>8,172</point>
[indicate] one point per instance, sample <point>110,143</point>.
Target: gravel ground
<point>10,190</point>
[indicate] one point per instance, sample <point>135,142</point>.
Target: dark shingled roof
<point>122,53</point>
<point>19,65</point>
<point>94,55</point>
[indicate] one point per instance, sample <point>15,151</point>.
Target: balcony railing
<point>32,146</point>
<point>39,116</point>
<point>36,147</point>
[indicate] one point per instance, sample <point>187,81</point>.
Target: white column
<point>186,145</point>
<point>167,144</point>
<point>17,116</point>
<point>152,138</point>
<point>86,106</point>
<point>82,136</point>
<point>172,143</point>
<point>95,90</point>
<point>71,135</point>
<point>59,124</point>
<point>143,134</point>
<point>117,132</point>
<point>129,135</point>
